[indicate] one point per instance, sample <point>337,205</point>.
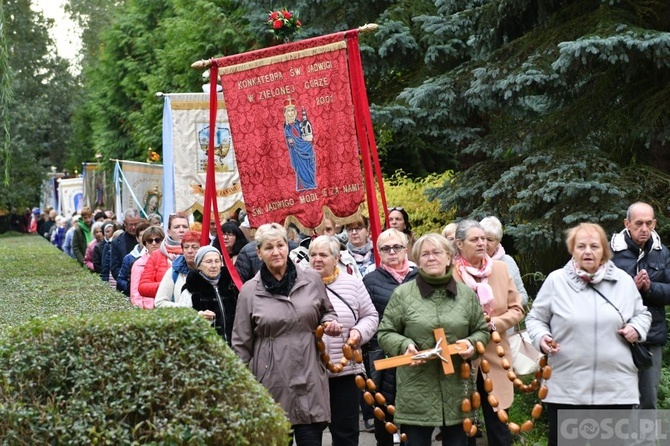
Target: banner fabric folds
<point>186,136</point>
<point>291,111</point>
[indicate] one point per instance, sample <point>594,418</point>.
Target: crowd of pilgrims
<point>461,280</point>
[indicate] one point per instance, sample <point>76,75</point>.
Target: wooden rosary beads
<point>349,352</point>
<point>371,396</point>
<point>474,402</point>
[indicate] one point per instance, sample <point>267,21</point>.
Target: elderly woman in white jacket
<point>586,337</point>
<point>359,321</point>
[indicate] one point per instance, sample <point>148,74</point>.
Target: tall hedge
<point>129,378</point>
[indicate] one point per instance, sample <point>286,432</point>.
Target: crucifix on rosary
<point>442,350</point>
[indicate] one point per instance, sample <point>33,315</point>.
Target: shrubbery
<point>137,377</point>
<point>77,369</point>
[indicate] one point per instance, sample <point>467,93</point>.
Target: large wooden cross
<point>442,350</point>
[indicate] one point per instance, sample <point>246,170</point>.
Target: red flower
<point>274,15</point>
<point>277,24</point>
<point>297,23</point>
<point>287,14</point>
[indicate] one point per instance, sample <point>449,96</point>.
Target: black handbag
<point>642,357</point>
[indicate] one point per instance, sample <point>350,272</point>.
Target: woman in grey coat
<point>277,313</point>
<point>587,338</point>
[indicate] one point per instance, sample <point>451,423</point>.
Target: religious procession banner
<point>140,186</point>
<point>70,196</point>
<point>98,187</point>
<point>291,111</point>
<point>186,133</point>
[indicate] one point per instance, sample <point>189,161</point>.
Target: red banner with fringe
<point>292,118</point>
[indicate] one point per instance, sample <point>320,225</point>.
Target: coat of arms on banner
<point>224,156</point>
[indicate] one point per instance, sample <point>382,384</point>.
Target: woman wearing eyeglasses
<point>394,270</point>
<point>211,291</point>
<point>426,397</point>
<point>277,313</point>
<point>499,300</point>
<point>359,244</point>
<point>161,259</point>
<point>398,218</point>
<point>233,240</point>
<point>151,241</point>
<point>175,277</point>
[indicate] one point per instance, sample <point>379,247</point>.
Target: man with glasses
<point>123,244</point>
<point>638,251</point>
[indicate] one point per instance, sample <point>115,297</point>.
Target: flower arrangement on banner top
<point>284,24</point>
<point>153,157</point>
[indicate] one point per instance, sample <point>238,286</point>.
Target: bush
<point>37,280</point>
<point>140,377</point>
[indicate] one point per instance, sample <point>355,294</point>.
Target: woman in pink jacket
<point>358,317</point>
<point>151,241</point>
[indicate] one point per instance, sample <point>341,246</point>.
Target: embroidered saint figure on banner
<point>299,139</point>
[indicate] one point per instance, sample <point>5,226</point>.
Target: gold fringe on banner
<point>283,58</point>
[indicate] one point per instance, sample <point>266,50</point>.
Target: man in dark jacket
<point>638,251</point>
<point>124,243</point>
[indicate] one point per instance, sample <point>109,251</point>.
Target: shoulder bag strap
<point>345,302</point>
<point>608,301</point>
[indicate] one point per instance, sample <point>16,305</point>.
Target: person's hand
<point>642,280</point>
<point>355,336</point>
<point>209,315</point>
<point>469,349</point>
<point>332,328</point>
<point>548,345</point>
<point>411,350</point>
<point>629,333</point>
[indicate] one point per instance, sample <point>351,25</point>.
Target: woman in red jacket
<point>161,259</point>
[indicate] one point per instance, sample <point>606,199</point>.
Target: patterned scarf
<point>171,248</point>
<point>482,288</point>
<point>398,274</point>
<point>362,255</point>
<point>587,277</point>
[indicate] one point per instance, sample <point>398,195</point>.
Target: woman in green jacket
<point>426,397</point>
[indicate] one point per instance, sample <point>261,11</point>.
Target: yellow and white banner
<point>185,142</point>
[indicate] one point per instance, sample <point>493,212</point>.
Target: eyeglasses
<point>394,248</point>
<point>153,240</point>
<point>357,229</point>
<point>436,254</point>
<point>212,262</point>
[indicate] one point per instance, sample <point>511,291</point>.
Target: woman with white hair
<point>493,230</point>
<point>278,311</point>
<point>359,321</point>
<point>211,291</point>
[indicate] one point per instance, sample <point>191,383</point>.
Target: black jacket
<point>121,247</point>
<point>380,285</point>
<point>656,261</point>
<point>222,300</point>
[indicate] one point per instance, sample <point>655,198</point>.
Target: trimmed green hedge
<point>141,377</point>
<point>74,369</point>
<point>36,280</point>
